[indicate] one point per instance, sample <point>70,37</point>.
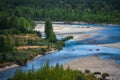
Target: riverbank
<point>16,65</point>
<point>9,67</point>
<point>75,22</point>
<point>74,30</point>
<point>94,64</point>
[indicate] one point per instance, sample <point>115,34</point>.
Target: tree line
<point>16,24</point>
<point>58,72</point>
<point>92,11</point>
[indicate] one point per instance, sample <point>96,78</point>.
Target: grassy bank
<point>26,47</point>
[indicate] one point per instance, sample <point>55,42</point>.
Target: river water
<point>77,49</point>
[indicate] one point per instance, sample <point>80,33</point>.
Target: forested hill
<point>107,11</point>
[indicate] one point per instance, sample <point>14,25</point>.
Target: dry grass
<point>29,47</point>
<point>28,36</point>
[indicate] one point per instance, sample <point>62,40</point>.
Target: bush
<point>67,38</point>
<point>104,75</point>
<point>7,43</point>
<point>39,34</point>
<point>87,71</point>
<point>97,73</point>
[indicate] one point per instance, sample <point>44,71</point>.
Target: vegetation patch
<point>55,73</point>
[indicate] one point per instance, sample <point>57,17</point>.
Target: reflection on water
<point>77,49</point>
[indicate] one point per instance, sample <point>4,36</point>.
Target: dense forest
<point>93,11</point>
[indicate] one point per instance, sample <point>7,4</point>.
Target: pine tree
<point>9,43</point>
<point>50,35</point>
<point>2,42</point>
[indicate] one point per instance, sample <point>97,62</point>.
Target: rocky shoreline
<point>95,64</point>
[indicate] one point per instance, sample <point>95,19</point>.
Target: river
<point>77,49</point>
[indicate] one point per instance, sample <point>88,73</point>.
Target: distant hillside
<point>107,11</point>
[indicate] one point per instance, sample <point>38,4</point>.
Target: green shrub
<point>97,73</point>
<point>87,71</point>
<point>104,75</point>
<point>67,38</point>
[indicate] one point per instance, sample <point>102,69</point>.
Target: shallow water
<point>77,49</point>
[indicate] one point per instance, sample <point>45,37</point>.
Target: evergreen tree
<point>30,42</point>
<point>7,43</point>
<point>2,42</point>
<point>21,24</point>
<point>11,23</point>
<point>3,22</point>
<point>3,57</point>
<point>50,35</point>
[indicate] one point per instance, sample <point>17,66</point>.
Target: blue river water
<point>77,49</point>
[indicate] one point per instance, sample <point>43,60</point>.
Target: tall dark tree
<point>2,42</point>
<point>3,22</point>
<point>7,43</point>
<point>50,35</point>
<point>11,23</point>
